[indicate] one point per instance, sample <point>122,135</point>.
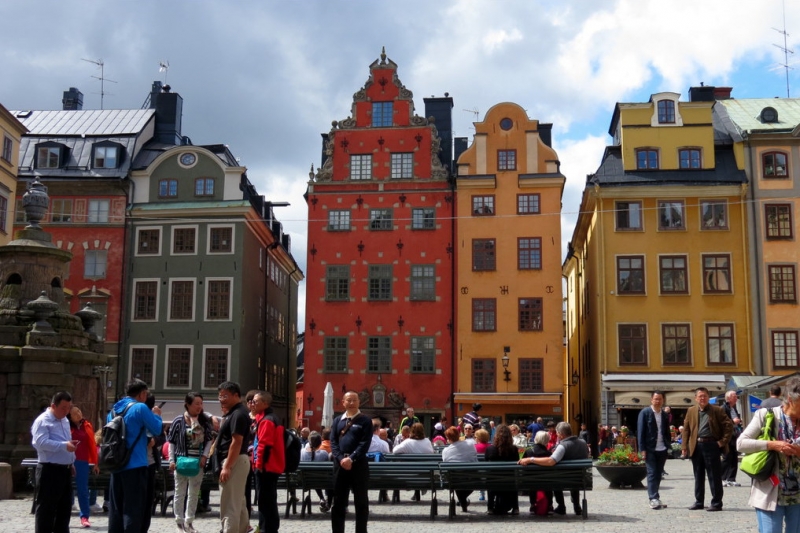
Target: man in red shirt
<point>269,461</point>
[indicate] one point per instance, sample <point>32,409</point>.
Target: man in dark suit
<point>706,432</point>
<point>652,433</point>
<point>351,435</point>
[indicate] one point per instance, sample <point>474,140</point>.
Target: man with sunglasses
<point>351,435</point>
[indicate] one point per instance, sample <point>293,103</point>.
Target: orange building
<point>509,353</point>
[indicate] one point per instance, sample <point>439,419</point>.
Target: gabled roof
<point>88,122</point>
<point>745,114</point>
<point>611,173</point>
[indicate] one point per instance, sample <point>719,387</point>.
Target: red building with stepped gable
<point>379,295</point>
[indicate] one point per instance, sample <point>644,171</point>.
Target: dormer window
<point>382,114</point>
<point>647,159</point>
<point>769,115</point>
<point>666,112</point>
<point>105,157</point>
<point>48,156</point>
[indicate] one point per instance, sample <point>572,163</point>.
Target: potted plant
<point>621,466</point>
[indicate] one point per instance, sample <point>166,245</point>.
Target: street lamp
<point>506,360</point>
<point>575,377</point>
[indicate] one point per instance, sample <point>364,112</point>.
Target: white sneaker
<point>96,508</point>
<point>655,503</point>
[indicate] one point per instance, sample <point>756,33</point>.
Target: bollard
<point>6,482</point>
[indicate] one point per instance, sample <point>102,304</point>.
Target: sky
<point>267,77</point>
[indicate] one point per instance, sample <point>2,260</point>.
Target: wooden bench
<point>499,476</point>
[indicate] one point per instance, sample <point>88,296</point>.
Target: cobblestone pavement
<point>610,510</point>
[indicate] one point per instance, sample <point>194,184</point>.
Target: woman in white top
<point>417,442</point>
<point>313,453</point>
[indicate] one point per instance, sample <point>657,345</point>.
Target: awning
<point>680,400</point>
<point>664,382</point>
<point>631,399</point>
<point>508,398</point>
<point>746,383</point>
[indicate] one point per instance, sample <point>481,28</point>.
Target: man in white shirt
<point>653,437</point>
<point>377,444</point>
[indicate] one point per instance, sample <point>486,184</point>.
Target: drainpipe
<point>758,315</point>
<point>454,281</point>
<point>127,267</point>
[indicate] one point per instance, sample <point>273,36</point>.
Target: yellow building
<point>11,131</point>
<point>657,277</point>
<point>509,332</point>
<point>767,136</point>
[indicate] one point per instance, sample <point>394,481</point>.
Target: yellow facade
<point>657,275</point>
<point>11,131</point>
<point>508,249</point>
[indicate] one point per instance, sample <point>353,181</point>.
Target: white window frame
<point>160,240</point>
<point>133,299</point>
<point>172,240</point>
<point>166,366</point>
<point>194,300</point>
<point>105,149</point>
<point>230,300</point>
<point>95,213</point>
<point>233,238</point>
<point>207,347</point>
<point>86,262</point>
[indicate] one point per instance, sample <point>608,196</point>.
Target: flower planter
<point>623,476</point>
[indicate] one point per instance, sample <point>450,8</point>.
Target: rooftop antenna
<point>475,112</point>
<point>785,49</point>
<point>163,66</point>
<point>101,77</point>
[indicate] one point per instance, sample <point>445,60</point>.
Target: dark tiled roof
<point>79,157</point>
<point>610,172</point>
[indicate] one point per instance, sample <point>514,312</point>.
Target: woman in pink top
<point>481,440</point>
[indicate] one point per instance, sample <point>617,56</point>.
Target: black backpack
<point>292,448</point>
<point>114,453</point>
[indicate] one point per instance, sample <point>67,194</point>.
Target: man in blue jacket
<point>127,505</point>
<point>653,437</point>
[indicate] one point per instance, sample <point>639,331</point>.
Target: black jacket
<point>647,430</point>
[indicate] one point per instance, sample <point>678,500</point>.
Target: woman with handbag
<point>189,446</point>
<point>777,498</point>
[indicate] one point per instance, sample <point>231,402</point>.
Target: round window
<point>506,124</point>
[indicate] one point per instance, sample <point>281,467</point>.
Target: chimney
<point>461,145</point>
<point>72,100</point>
<point>546,134</point>
<point>441,109</point>
<point>703,93</point>
<point>169,113</point>
<point>722,93</point>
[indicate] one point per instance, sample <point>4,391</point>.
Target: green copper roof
<point>746,113</point>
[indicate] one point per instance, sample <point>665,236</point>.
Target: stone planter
<point>623,476</point>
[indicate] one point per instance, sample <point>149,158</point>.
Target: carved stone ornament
<point>405,94</point>
<point>364,397</point>
<point>347,123</point>
<point>438,171</point>
<point>417,120</point>
<point>360,95</point>
<point>395,399</point>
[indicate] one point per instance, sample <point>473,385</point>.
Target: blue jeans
<point>772,521</point>
<point>655,470</point>
<point>126,500</point>
<point>82,486</point>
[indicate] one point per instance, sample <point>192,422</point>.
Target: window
<point>48,157</point>
<point>184,240</point>
<point>216,367</point>
<point>181,300</point>
<point>204,187</point>
<point>719,339</point>
<point>218,302</point>
<point>677,344</point>
<point>717,273</point>
<point>337,282</point>
<point>714,214</point>
<point>179,362</point>
<point>647,159</point>
<point>361,167</point>
<point>483,205</point>
<point>423,283</point>
<point>483,375</point>
<point>8,148</point>
<point>483,254</point>
<point>773,165</point>
<point>529,253</point>
<point>3,213</point>
<point>784,349</point>
<point>402,165</point>
<point>689,158</point>
<point>145,300</point>
<point>673,274</point>
<point>148,242</point>
<point>423,355</point>
<point>382,114</point>
<point>781,284</point>
<point>98,211</point>
<point>666,112</point>
<point>530,314</point>
<point>380,219</point>
<point>380,282</point>
<point>105,157</point>
<point>629,215</point>
<point>506,160</point>
<point>630,274</point>
<point>484,314</point>
<point>339,220</point>
<point>168,188</point>
<point>423,218</point>
<point>220,239</point>
<point>632,344</point>
<point>142,360</point>
<point>61,211</point>
<point>531,375</point>
<point>670,215</point>
<point>527,204</point>
<point>779,221</point>
<point>334,354</point>
<point>94,265</point>
<point>379,354</point>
